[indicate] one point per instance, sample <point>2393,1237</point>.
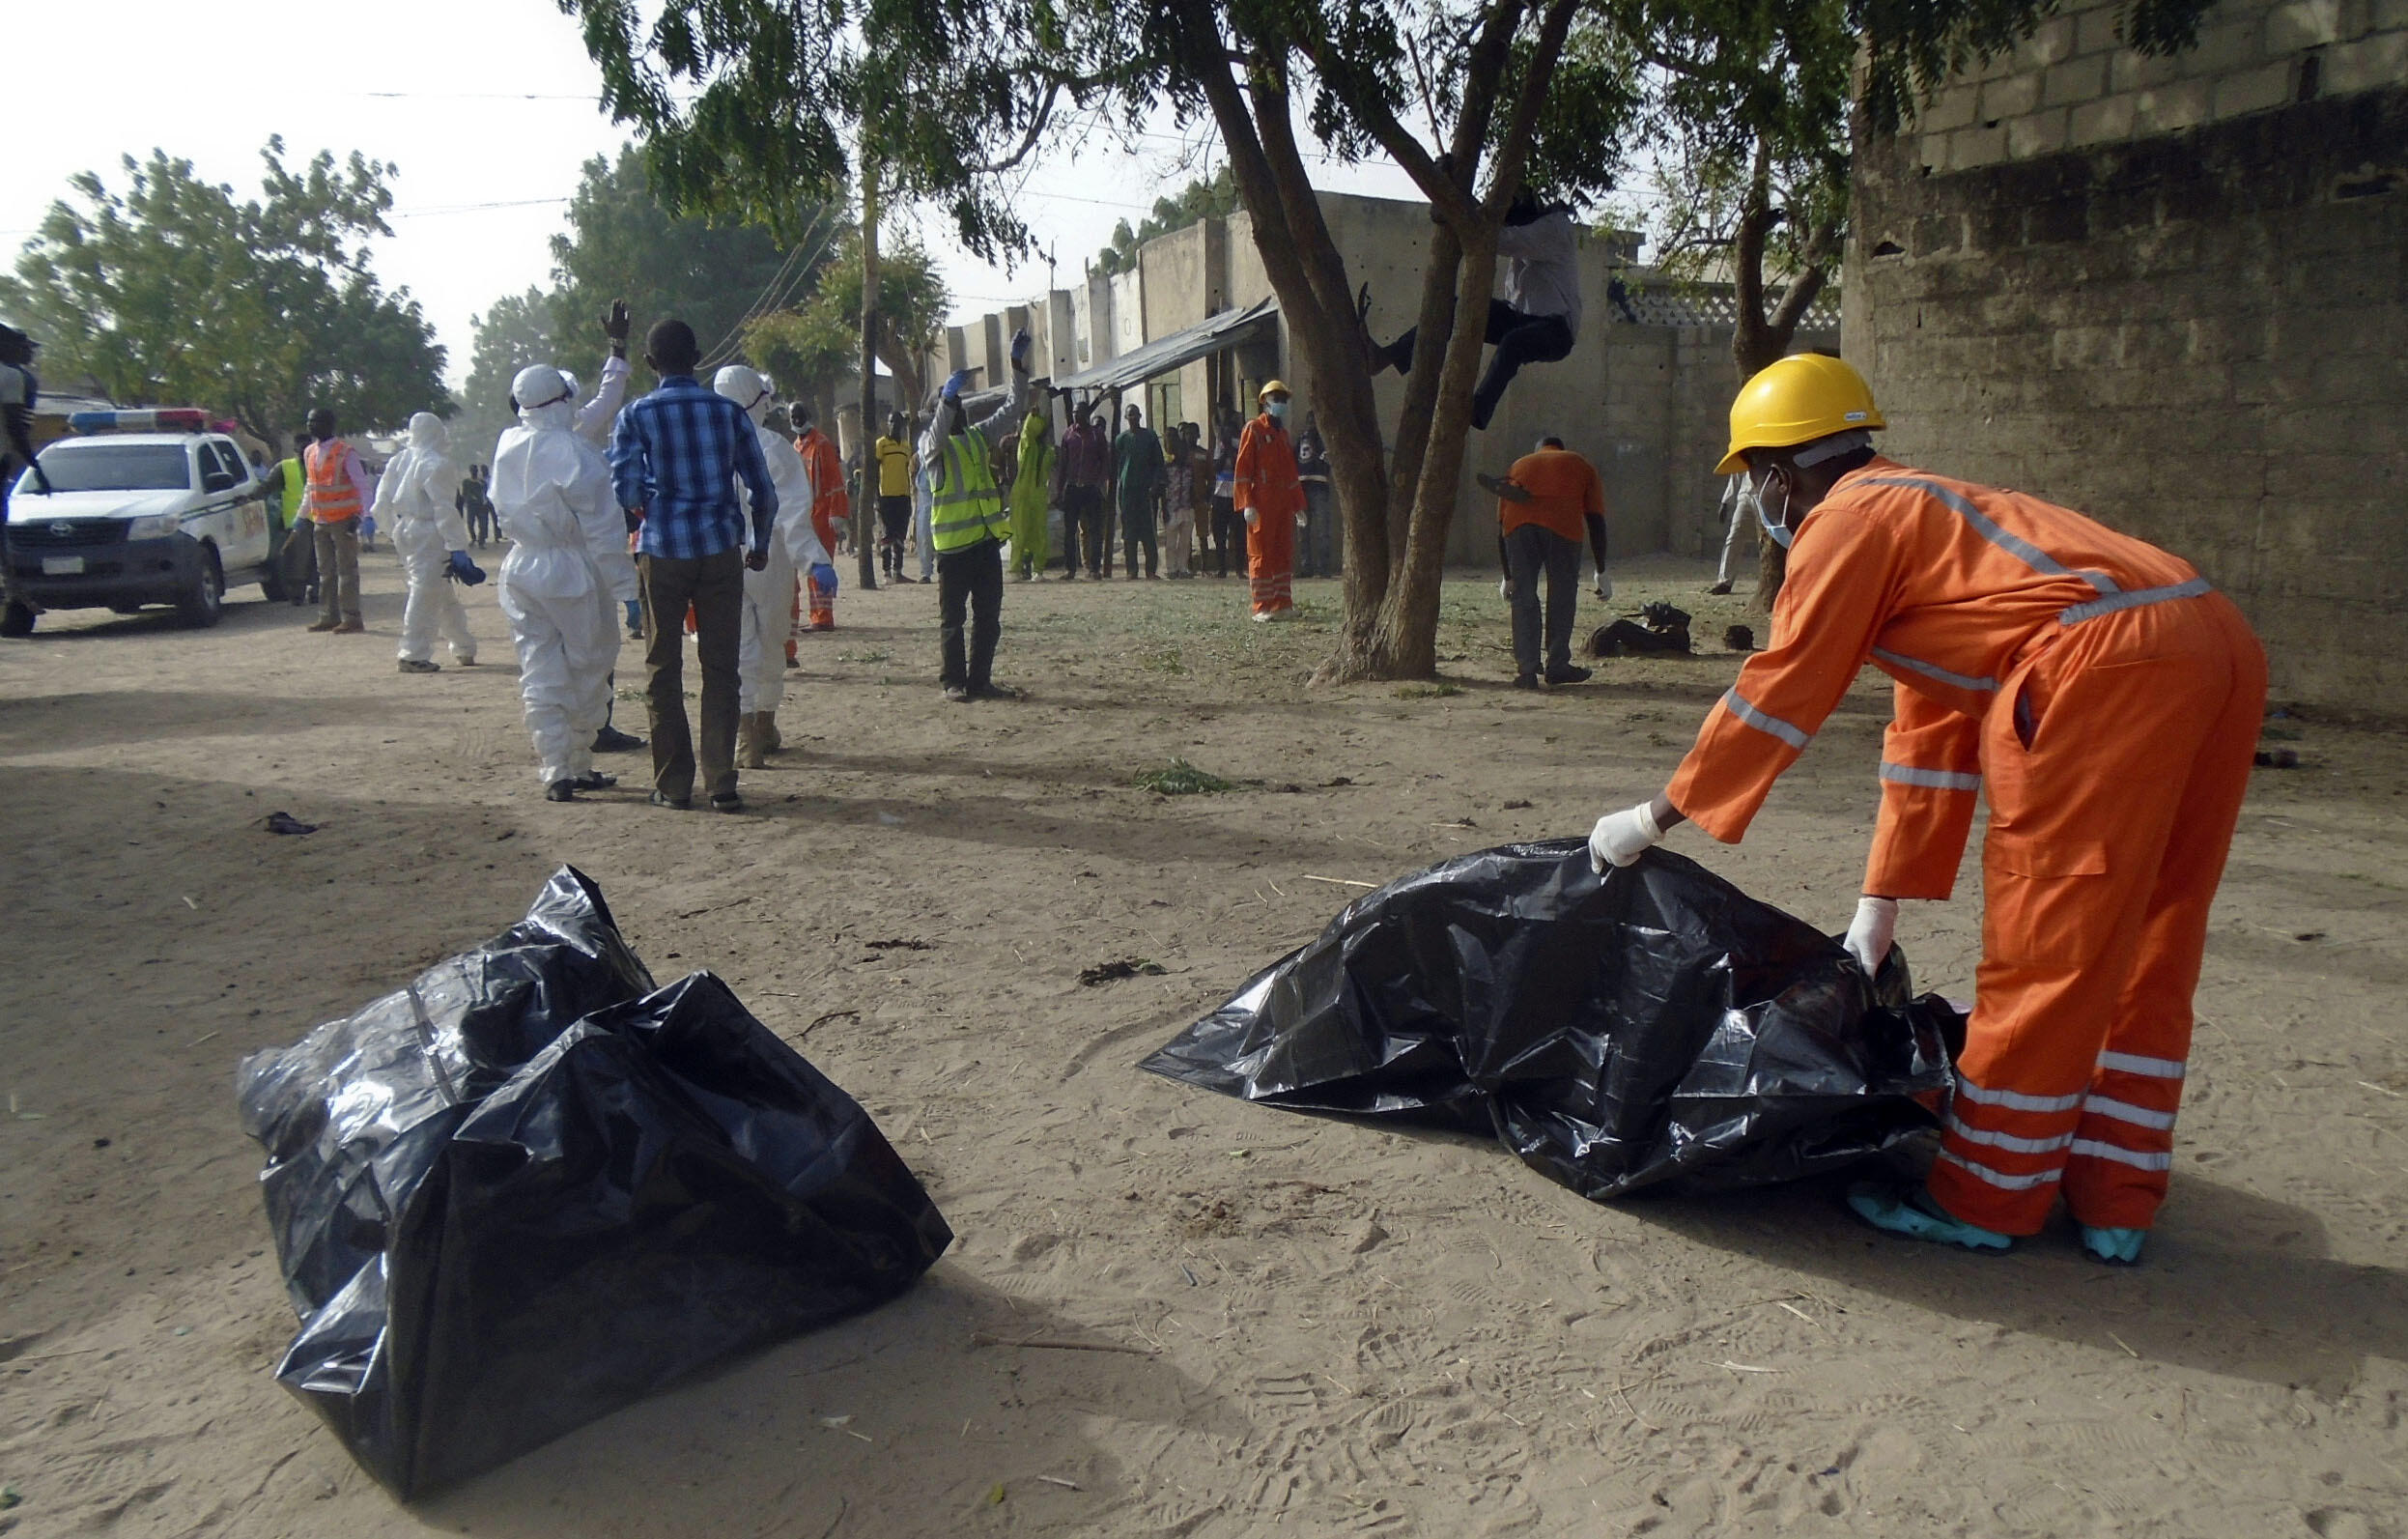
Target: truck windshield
<point>112,467</point>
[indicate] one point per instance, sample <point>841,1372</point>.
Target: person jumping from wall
<point>1268,492</point>
<point>1539,318</point>
<point>2108,701</point>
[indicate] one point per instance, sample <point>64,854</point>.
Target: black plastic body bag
<point>531,1188</point>
<point>1656,1027</point>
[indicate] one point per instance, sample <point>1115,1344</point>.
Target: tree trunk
<point>864,504</point>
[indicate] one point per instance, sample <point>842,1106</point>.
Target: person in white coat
<point>594,421</point>
<point>552,494</point>
<point>769,593</point>
<point>418,500</point>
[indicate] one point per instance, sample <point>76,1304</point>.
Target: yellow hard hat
<point>1799,399</point>
<point>1272,387</point>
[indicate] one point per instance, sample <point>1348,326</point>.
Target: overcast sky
<point>487,107</point>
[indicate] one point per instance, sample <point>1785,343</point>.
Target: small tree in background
<point>175,291</point>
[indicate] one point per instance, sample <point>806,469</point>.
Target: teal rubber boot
<point>1901,1208</point>
<point>2118,1247</point>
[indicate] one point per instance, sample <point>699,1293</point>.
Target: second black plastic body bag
<point>1653,1028</point>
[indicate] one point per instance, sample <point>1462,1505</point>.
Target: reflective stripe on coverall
<point>417,497</point>
<point>1267,483</point>
<point>552,497</point>
<point>2110,702</point>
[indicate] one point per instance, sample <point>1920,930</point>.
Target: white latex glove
<point>1620,838</point>
<point>1870,934</point>
<point>1505,589</point>
<point>1299,522</point>
<point>1254,515</point>
<point>1605,585</point>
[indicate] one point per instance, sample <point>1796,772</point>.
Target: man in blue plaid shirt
<point>675,460</point>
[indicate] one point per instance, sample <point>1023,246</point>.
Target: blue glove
<point>464,571</point>
<point>824,576</point>
<point>634,612</point>
<point>954,384</point>
<point>1020,350</point>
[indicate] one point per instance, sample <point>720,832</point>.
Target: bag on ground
<point>1656,1027</point>
<point>530,1187</point>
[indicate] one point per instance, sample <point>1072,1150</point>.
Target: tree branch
<point>1028,141</point>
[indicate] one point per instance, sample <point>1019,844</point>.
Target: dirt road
<point>1336,1330</point>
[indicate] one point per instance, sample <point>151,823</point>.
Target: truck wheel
<point>206,599</point>
<point>16,621</point>
<point>272,584</point>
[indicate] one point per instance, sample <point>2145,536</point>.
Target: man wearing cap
<point>968,524</point>
<point>2104,699</point>
<point>1268,490</point>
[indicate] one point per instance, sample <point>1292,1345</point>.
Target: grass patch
<point>1162,660</point>
<point>1179,777</point>
<point>1427,692</point>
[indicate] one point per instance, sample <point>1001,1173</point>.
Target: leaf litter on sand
<point>1179,777</point>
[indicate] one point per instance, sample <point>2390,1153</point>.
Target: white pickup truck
<point>144,507</point>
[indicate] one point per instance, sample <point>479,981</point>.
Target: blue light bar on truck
<point>164,420</point>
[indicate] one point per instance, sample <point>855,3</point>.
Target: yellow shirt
<point>895,468</point>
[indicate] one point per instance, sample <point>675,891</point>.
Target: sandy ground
<point>1326,1327</point>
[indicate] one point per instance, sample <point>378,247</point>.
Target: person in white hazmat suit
<point>416,499</point>
<point>768,593</point>
<point>552,494</point>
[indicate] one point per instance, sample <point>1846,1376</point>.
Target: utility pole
<point>865,502</point>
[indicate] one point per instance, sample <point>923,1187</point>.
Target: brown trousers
<point>713,585</point>
<point>338,568</point>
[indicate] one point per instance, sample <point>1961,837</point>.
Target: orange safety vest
<point>333,495</point>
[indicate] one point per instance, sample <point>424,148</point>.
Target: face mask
<point>1778,528</point>
<point>1277,409</point>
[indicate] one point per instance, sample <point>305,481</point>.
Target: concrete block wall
<point>2075,85</point>
<point>2200,335</point>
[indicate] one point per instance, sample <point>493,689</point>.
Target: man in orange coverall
<point>2107,699</point>
<point>1270,494</point>
<point>832,506</point>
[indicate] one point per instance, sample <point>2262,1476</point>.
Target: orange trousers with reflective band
<point>2115,763</point>
<point>1270,561</point>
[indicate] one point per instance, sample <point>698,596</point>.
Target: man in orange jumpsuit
<point>1270,494</point>
<point>831,506</point>
<point>2107,701</point>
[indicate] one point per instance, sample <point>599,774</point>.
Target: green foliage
<point>1205,198</point>
<point>744,106</point>
<point>715,273</point>
<point>173,292</point>
<point>1179,777</point>
<point>809,349</point>
<point>1427,692</point>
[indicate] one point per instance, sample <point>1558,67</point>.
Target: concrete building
<point>1647,401</point>
<point>2173,293</point>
